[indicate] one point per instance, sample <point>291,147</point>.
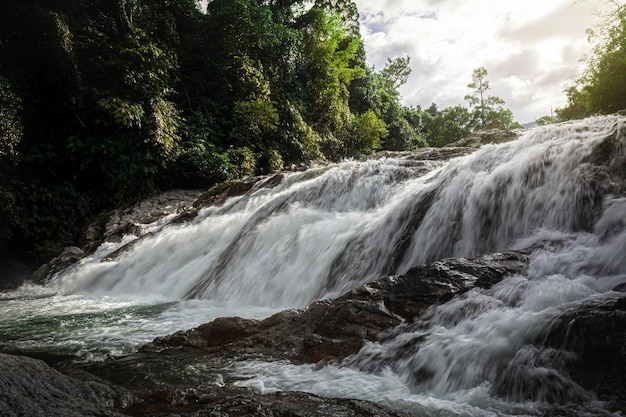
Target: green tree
<point>370,131</point>
<point>546,120</point>
<point>378,91</point>
<point>396,72</point>
<point>485,106</point>
<point>488,109</point>
<point>440,127</point>
<point>602,86</point>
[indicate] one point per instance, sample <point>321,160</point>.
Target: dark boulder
<point>29,387</point>
<point>68,257</point>
<point>596,335</point>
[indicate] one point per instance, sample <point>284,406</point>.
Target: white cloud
<point>531,48</point>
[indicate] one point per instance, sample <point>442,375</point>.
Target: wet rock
<point>29,387</point>
<point>241,402</point>
<point>68,257</point>
<point>294,404</point>
<point>596,334</point>
<point>334,329</point>
<point>427,154</point>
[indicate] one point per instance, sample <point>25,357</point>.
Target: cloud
<point>530,48</point>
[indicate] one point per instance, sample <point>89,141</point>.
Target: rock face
<point>68,256</point>
<point>29,387</point>
<point>596,334</point>
<point>128,221</point>
<point>334,329</point>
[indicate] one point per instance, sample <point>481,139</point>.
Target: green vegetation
<point>487,109</point>
<point>602,87</point>
<point>104,102</point>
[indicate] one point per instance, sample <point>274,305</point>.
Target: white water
<point>317,236</point>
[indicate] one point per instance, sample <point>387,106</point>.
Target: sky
<point>530,48</point>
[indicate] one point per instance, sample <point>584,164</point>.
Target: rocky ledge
<point>333,329</point>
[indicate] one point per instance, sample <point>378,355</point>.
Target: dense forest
<point>103,103</point>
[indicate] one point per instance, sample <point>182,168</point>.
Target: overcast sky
<point>530,48</point>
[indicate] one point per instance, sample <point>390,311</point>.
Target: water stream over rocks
<point>537,230</point>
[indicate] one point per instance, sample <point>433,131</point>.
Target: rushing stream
<point>325,231</point>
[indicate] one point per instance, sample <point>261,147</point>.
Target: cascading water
<point>314,238</point>
<point>321,233</point>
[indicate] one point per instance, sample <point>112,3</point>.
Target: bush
<point>243,161</point>
<point>200,166</point>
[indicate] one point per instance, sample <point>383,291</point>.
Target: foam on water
<point>480,353</point>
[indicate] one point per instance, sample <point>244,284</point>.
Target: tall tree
<point>484,105</point>
<point>487,109</point>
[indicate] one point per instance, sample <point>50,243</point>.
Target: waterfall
<point>321,233</point>
<point>559,192</point>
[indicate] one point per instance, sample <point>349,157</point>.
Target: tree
<point>440,127</point>
<point>546,120</point>
<point>370,131</point>
<point>487,109</point>
<point>396,72</point>
<point>602,86</point>
<point>483,104</point>
<point>10,136</point>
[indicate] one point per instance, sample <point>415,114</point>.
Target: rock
<point>596,334</point>
<point>294,404</point>
<point>69,256</point>
<point>490,134</point>
<point>226,402</point>
<point>132,219</point>
<point>29,387</point>
<point>334,329</point>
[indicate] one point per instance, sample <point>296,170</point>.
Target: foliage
<point>368,133</point>
<point>546,120</point>
<point>602,86</point>
<point>243,161</point>
<point>440,127</point>
<point>125,98</point>
<point>10,125</point>
<point>11,131</point>
<point>378,92</point>
<point>396,72</point>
